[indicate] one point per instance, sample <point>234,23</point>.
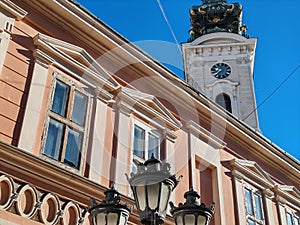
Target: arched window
<point>224,101</point>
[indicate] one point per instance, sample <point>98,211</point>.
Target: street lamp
<point>191,212</point>
<point>110,211</point>
<point>152,186</point>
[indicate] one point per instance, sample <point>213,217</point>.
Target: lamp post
<point>191,212</point>
<point>110,211</point>
<point>152,186</point>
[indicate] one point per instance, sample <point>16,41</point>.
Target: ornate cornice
<point>207,136</point>
<point>13,9</point>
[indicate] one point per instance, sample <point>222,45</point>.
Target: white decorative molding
<point>13,9</point>
<point>254,174</point>
<point>206,135</point>
<point>41,206</point>
<point>148,107</point>
<point>91,72</point>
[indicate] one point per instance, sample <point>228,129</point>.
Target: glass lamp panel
<point>153,195</point>
<point>139,142</point>
<point>201,220</point>
<point>73,149</point>
<point>54,139</point>
<point>141,197</point>
<point>189,219</point>
<point>60,99</point>
<point>258,211</point>
<point>79,108</point>
<point>179,220</point>
<point>249,204</point>
<point>99,219</point>
<point>164,198</point>
<point>123,219</point>
<point>112,219</point>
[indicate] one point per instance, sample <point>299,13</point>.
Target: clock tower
<point>219,58</point>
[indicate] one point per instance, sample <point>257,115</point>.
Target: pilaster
<point>35,100</point>
<point>238,178</point>
<point>268,197</point>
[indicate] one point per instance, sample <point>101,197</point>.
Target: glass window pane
<point>79,108</point>
<point>251,222</point>
<point>258,207</point>
<point>153,146</point>
<point>60,99</point>
<point>73,149</point>
<point>248,201</point>
<point>139,142</point>
<point>289,219</point>
<point>54,139</point>
<point>296,221</point>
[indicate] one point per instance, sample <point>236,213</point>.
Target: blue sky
<point>275,24</point>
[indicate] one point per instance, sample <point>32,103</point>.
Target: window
<point>146,142</point>
<point>292,219</point>
<point>67,118</point>
<point>224,101</point>
<point>253,204</point>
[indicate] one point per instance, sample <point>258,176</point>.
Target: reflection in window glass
<point>66,129</point>
<point>289,219</point>
<point>251,222</point>
<point>249,204</point>
<point>139,142</point>
<point>60,99</point>
<point>74,143</point>
<point>258,207</point>
<point>296,221</point>
<point>153,146</point>
<point>79,108</point>
<point>54,139</point>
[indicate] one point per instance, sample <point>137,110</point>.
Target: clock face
<point>220,70</point>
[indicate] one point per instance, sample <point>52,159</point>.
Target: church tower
<point>219,58</point>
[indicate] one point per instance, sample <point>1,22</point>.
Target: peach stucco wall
<point>15,83</point>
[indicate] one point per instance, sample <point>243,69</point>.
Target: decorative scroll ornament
<point>216,16</point>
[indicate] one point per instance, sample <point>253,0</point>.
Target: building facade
<point>80,106</point>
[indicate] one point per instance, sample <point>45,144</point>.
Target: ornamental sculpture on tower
<point>216,16</point>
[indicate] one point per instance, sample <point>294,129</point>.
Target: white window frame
<point>294,217</point>
<point>148,130</point>
<point>254,191</point>
<point>67,122</point>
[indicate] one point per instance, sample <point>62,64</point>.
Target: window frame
<point>148,131</point>
<point>254,192</point>
<point>67,122</point>
<point>293,217</point>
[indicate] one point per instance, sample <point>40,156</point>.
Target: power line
<point>169,25</point>
<point>274,91</point>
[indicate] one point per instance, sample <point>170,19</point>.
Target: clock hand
<point>217,72</point>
